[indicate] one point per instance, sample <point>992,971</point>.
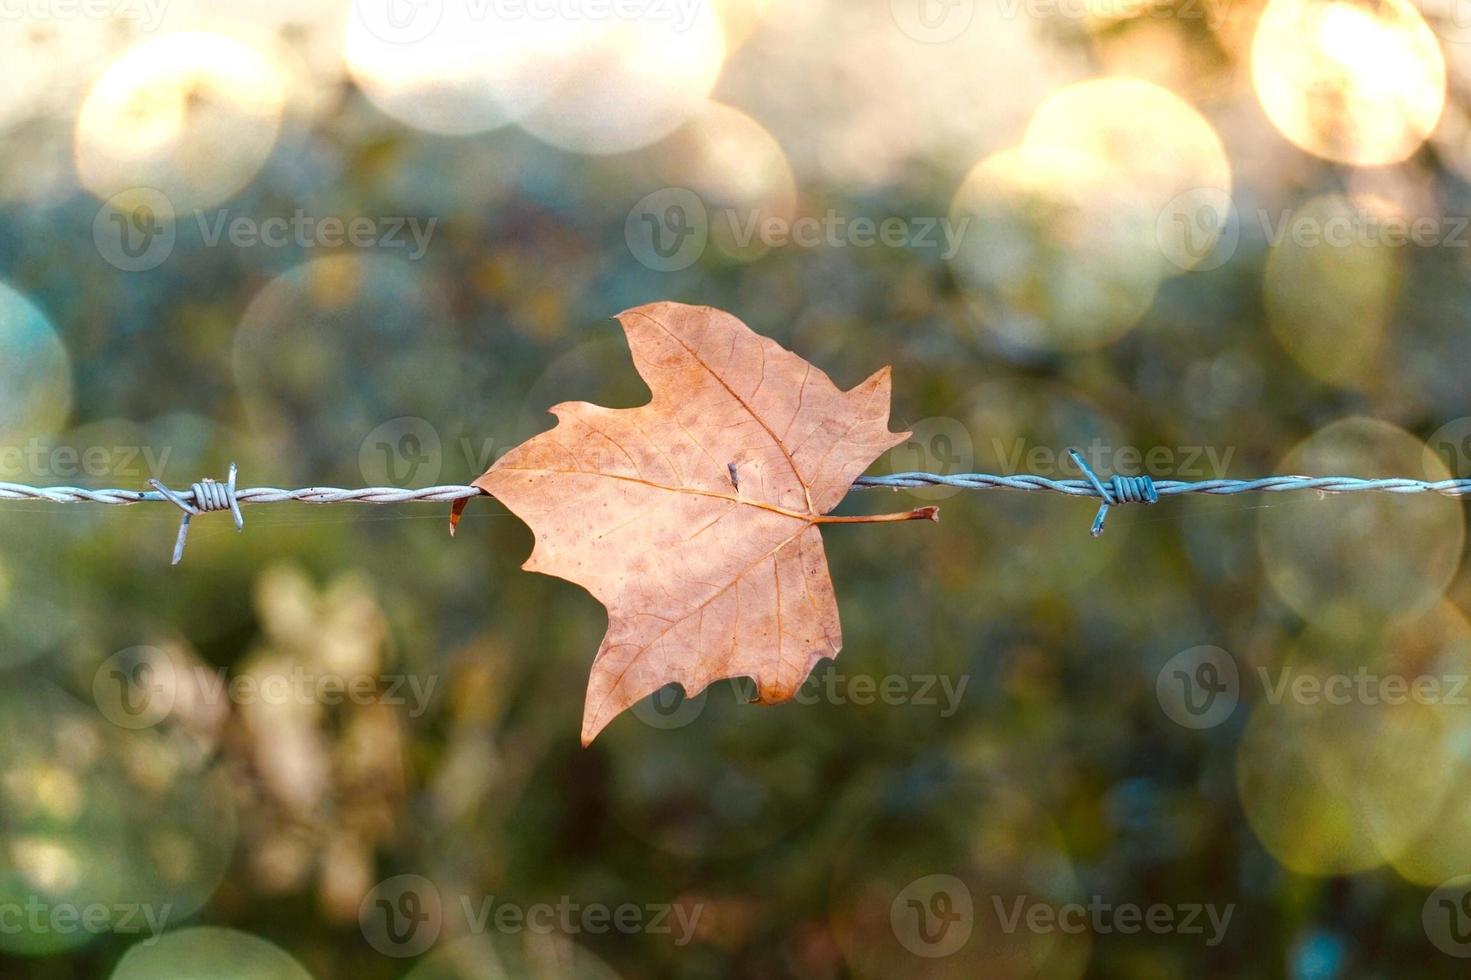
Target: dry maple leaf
<point>693,518</point>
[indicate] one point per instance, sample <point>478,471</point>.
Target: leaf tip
<point>882,379</point>
<point>455,510</point>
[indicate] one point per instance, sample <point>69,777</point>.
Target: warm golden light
<point>1331,284</point>
<point>1327,557</point>
<point>591,83</point>
<point>1347,762</point>
<point>1052,257</point>
<point>192,115</point>
<point>739,172</point>
<point>1161,158</point>
<point>1354,83</point>
<point>620,84</point>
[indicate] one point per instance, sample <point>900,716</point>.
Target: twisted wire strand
<point>896,481</point>
<point>1170,488</point>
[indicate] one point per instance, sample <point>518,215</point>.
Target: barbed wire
<point>209,495</point>
<point>1168,488</point>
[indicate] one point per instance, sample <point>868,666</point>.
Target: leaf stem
<point>918,514</point>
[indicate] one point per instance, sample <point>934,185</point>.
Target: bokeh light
<point>1339,789</point>
<point>452,68</point>
<point>104,815</point>
<point>1329,559</point>
<point>338,341</point>
<point>1341,253</point>
<point>1054,256</point>
<point>1344,763</point>
<point>739,172</point>
<point>35,376</point>
<point>479,957</point>
<point>589,82</point>
<point>1362,84</point>
<point>617,85</point>
<point>1162,161</point>
<point>192,115</point>
<point>205,951</point>
<point>1119,183</point>
<point>46,58</point>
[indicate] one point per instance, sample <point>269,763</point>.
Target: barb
<point>211,496</point>
<point>203,497</point>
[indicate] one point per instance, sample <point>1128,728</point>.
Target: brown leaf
<point>693,518</point>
